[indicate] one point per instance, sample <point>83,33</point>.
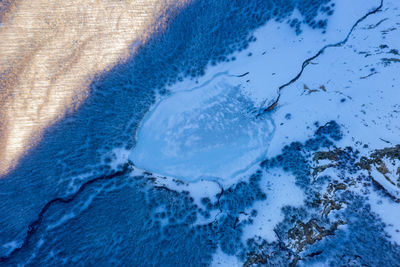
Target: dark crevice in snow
<point>34,226</point>
<point>320,52</point>
<point>242,75</point>
<point>219,195</point>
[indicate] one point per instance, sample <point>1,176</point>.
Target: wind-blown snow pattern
<point>246,133</point>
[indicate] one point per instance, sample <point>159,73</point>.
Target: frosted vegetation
<point>95,215</point>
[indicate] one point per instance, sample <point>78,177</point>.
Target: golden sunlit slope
<point>50,50</point>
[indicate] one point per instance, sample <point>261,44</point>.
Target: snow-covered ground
<point>351,84</point>
<point>281,191</point>
<point>216,175</point>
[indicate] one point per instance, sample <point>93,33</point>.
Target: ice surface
<point>210,132</point>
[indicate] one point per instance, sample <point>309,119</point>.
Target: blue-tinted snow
<point>129,219</point>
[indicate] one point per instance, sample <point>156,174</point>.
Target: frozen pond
<point>208,132</point>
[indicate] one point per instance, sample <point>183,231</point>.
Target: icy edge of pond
<point>207,132</point>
